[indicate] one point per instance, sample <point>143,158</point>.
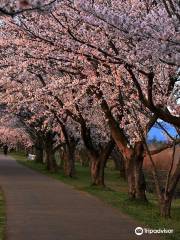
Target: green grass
<point>2,216</point>
<point>115,194</point>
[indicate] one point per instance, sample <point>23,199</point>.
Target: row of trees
<point>94,73</point>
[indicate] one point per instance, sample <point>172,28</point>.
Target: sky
<point>158,134</point>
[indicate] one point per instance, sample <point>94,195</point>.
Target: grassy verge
<point>2,216</point>
<point>115,194</point>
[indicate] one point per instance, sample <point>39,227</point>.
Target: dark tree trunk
<point>61,156</point>
<point>71,165</point>
<point>165,207</point>
<point>98,163</point>
<point>84,158</point>
<point>50,160</point>
<point>130,178</point>
<point>133,162</point>
<point>119,163</point>
<point>39,153</point>
<point>122,169</point>
<point>167,196</point>
<point>140,185</point>
<point>61,163</point>
<point>50,154</point>
<point>97,171</point>
<point>69,162</point>
<point>65,161</point>
<point>69,152</point>
<point>95,165</point>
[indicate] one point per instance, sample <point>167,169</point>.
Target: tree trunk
<point>49,155</point>
<point>122,170</point>
<point>61,163</point>
<point>98,163</point>
<point>50,160</point>
<point>119,163</point>
<point>97,172</point>
<point>61,155</point>
<point>39,154</point>
<point>130,178</point>
<point>69,164</point>
<point>165,207</point>
<point>140,185</point>
<point>135,178</point>
<point>65,161</point>
<point>69,161</point>
<point>101,175</point>
<point>134,174</point>
<point>83,158</point>
<point>49,150</point>
<point>166,200</point>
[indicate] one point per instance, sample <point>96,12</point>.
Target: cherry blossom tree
<point>98,66</point>
<point>146,49</point>
<point>13,134</point>
<point>16,7</point>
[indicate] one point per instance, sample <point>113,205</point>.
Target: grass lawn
<point>115,194</point>
<point>2,216</point>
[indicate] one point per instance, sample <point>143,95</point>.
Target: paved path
<point>41,208</point>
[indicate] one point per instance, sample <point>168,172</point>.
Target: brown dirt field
<point>163,159</point>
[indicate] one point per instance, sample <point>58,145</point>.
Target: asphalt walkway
<point>41,208</point>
